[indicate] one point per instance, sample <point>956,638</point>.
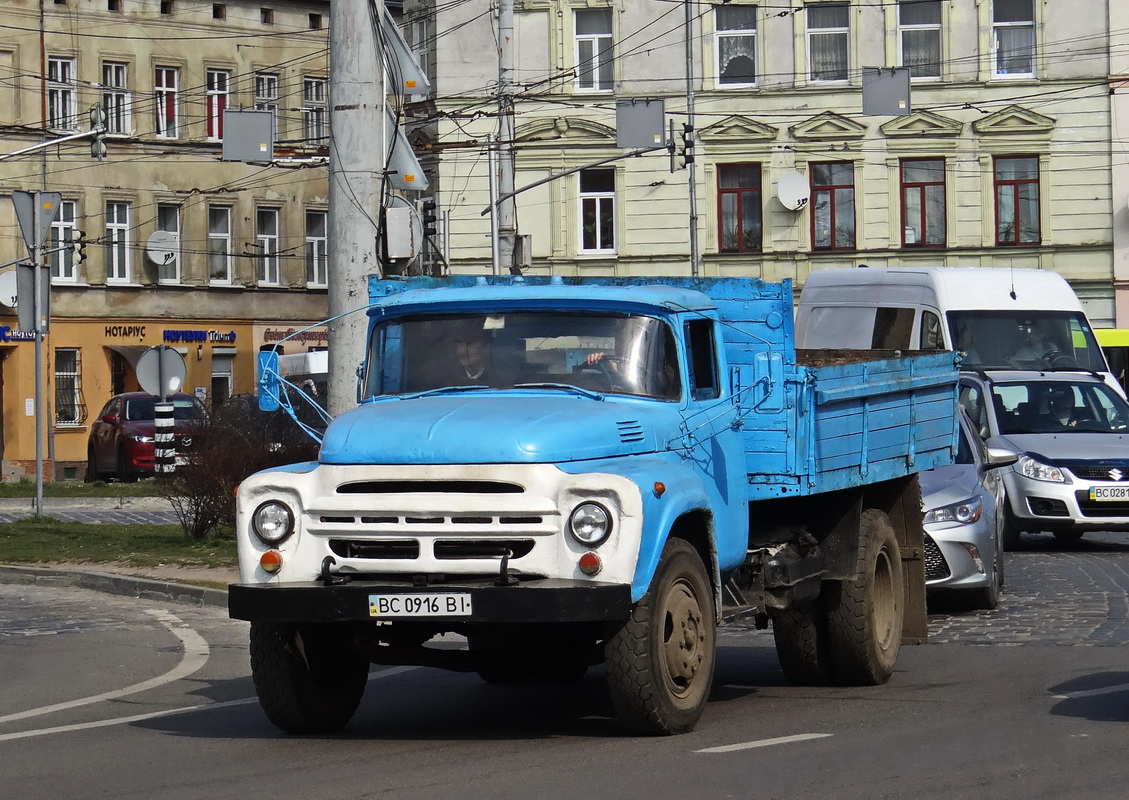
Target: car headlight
<point>142,438</point>
<point>1036,470</point>
<point>965,512</point>
<point>272,522</point>
<point>590,524</point>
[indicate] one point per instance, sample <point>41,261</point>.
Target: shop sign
<point>216,337</point>
<point>125,331</point>
<point>10,334</point>
<point>314,336</point>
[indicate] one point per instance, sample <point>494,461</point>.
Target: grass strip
<point>45,540</point>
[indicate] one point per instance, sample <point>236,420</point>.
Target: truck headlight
<point>1036,470</point>
<point>272,522</point>
<point>590,524</point>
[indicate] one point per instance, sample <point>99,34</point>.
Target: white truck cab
<point>999,318</point>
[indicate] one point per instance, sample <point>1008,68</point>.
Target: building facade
<point>1003,159</point>
<point>214,258</point>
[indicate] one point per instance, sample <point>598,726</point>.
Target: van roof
<point>951,288</point>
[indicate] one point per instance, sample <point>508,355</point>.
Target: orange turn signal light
<point>271,561</point>
<point>590,563</point>
<point>660,488</point>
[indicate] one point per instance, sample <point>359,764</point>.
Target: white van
<point>1001,318</point>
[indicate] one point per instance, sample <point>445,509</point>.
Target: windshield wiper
<point>568,387</point>
<point>444,390</point>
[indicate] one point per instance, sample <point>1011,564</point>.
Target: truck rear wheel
<point>801,645</point>
<point>307,679</point>
<point>660,663</point>
<point>864,614</point>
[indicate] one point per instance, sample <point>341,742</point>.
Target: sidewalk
<point>103,578</point>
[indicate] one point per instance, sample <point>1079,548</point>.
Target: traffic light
<point>429,217</point>
<point>98,126</point>
<point>687,145</point>
<point>78,245</point>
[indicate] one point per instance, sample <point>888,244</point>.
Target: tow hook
<point>504,577</point>
<point>327,577</point>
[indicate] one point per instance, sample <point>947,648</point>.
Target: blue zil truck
<point>572,473</point>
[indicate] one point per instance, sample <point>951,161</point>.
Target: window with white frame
<point>1013,38</point>
<point>420,45</point>
<point>166,81</point>
<point>595,51</point>
<point>69,408</point>
<point>116,97</point>
<point>919,37</point>
<point>597,211</point>
<point>117,242</point>
<point>217,82</point>
<point>219,244</point>
<point>63,230</point>
<point>266,92</point>
<point>266,242</point>
<point>62,94</point>
<point>736,32</point>
<point>317,258</point>
<point>315,111</point>
<point>168,221</point>
<point>829,41</point>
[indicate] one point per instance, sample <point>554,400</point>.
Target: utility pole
<point>504,164</point>
<point>689,131</point>
<point>356,170</point>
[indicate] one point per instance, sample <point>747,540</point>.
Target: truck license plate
<point>1109,492</point>
<point>434,604</point>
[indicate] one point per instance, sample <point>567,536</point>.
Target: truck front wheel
<point>864,614</point>
<point>660,663</point>
<point>307,679</point>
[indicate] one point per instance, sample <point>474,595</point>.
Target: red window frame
<point>920,187</point>
<point>739,193</point>
<point>1015,185</point>
<point>830,189</point>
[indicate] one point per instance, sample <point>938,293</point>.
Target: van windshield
<point>614,353</point>
<point>1039,340</point>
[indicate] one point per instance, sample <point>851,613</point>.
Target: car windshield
<point>1039,340</point>
<point>614,353</point>
<point>143,408</point>
<point>1059,407</point>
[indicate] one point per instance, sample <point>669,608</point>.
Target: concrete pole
<point>357,151</point>
<point>495,237</point>
<point>504,164</point>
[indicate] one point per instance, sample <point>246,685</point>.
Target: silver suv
<point>1072,433</point>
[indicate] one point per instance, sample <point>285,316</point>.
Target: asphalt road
<point>110,696</point>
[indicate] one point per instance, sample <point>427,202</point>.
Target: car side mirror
<point>110,419</point>
<point>998,456</point>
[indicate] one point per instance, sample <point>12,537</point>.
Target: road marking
<point>731,748</point>
<point>1124,687</point>
<point>6,737</point>
<point>196,654</point>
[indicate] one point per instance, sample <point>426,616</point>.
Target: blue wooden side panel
<point>880,420</point>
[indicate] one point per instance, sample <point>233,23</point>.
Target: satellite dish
<point>162,246</point>
<point>792,190</point>
<point>8,289</point>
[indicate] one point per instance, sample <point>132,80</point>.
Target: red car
<point>121,439</point>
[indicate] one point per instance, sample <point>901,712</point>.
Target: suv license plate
<point>1109,492</point>
<point>434,604</point>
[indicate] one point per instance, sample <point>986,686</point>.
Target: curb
<point>126,585</point>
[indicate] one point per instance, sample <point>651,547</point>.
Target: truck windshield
<point>607,353</point>
<point>1025,340</point>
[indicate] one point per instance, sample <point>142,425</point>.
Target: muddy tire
<point>864,614</point>
<point>660,663</point>
<point>802,646</point>
<point>307,679</point>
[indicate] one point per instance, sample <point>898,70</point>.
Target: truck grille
<point>430,487</point>
<point>936,568</point>
<point>447,549</point>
